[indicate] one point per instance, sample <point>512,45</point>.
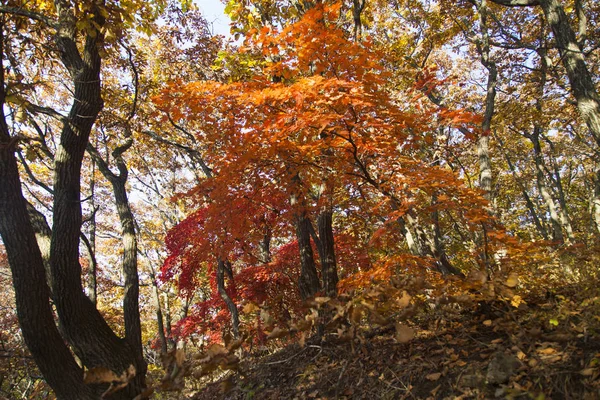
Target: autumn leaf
<point>512,280</point>
<point>277,333</point>
<point>99,375</point>
<point>404,334</point>
<point>434,376</point>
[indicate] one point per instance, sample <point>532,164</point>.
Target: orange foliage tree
<point>314,131</point>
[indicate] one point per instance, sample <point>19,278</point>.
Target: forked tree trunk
<point>32,294</point>
<point>308,282</point>
<point>131,311</point>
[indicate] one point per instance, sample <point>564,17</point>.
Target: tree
<point>77,36</point>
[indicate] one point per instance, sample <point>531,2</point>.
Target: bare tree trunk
<point>542,188</point>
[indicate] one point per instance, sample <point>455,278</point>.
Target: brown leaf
<point>356,314</point>
<point>302,339</point>
<point>227,385</point>
<point>277,333</point>
<point>587,371</point>
<point>322,300</point>
<point>434,377</point>
<point>404,334</point>
<point>404,301</point>
<point>99,375</point>
<point>216,349</point>
<point>236,344</point>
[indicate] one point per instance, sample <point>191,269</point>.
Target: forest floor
<point>547,349</point>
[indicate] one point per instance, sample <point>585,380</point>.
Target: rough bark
<point>84,327</point>
<point>131,312</point>
<point>93,265</point>
<point>29,278</point>
<point>485,169</point>
<point>43,236</point>
<point>308,282</point>
<point>327,252</point>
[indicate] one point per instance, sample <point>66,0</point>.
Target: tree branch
<point>29,14</point>
<point>517,3</point>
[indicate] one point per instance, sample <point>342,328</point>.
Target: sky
<point>213,12</point>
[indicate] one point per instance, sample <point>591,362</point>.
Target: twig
<point>295,355</point>
<point>337,386</point>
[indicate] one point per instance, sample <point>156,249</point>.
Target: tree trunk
<point>159,315</point>
<point>530,206</point>
<point>557,234</point>
<point>235,319</point>
<point>92,271</point>
<point>309,279</point>
<point>596,200</point>
<point>131,310</point>
<point>85,328</point>
<point>573,59</point>
<point>47,347</point>
<point>327,252</point>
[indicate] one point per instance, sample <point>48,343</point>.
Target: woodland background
<point>173,203</point>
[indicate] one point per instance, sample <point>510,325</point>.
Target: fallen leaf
<point>434,377</point>
<point>404,334</point>
<point>547,351</point>
<point>487,322</point>
<point>587,371</point>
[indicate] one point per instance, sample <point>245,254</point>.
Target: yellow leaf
<point>512,280</point>
<point>516,301</point>
<point>250,308</point>
<point>487,322</point>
